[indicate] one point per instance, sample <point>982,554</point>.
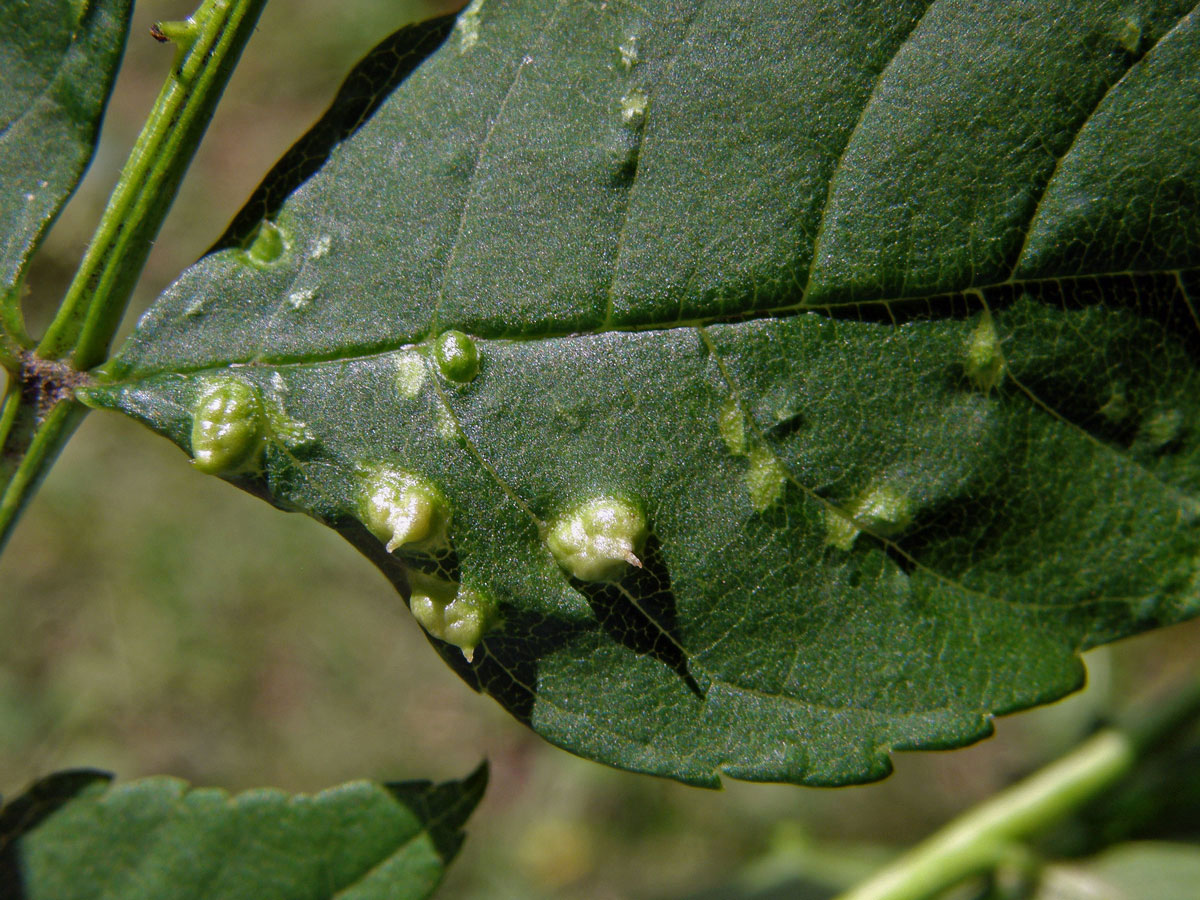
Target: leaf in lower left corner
<point>158,837</point>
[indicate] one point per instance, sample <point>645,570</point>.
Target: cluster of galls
<point>595,541</point>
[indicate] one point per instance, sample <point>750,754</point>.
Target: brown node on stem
<point>46,382</point>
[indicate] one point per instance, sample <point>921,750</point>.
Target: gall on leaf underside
<point>882,318</point>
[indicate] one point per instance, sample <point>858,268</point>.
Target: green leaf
<point>157,838</point>
<point>58,61</point>
<point>847,356</point>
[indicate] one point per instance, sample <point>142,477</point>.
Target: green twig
<point>978,840</point>
<point>37,415</point>
<point>38,412</point>
<point>10,355</point>
<point>984,836</point>
<point>14,339</point>
<point>209,44</point>
<point>10,410</point>
<point>42,439</point>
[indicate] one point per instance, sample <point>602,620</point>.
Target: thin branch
<point>39,412</point>
<point>209,44</point>
<point>984,836</point>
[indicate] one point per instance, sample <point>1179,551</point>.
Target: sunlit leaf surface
<point>837,364</point>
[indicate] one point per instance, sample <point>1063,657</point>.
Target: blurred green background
<point>155,620</point>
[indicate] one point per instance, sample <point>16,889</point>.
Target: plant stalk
<point>983,837</point>
<point>38,412</point>
<point>10,355</point>
<point>42,439</point>
<point>209,44</point>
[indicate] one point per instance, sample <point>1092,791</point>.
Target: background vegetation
<point>146,628</point>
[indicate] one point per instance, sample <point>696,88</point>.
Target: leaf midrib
<point>898,308</point>
<point>605,326</point>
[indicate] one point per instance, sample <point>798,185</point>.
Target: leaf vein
<point>833,310</point>
<point>841,158</point>
<point>627,202</point>
<point>481,154</point>
<point>1058,163</point>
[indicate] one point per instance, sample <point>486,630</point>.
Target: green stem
<point>209,44</point>
<point>10,355</point>
<point>42,440</point>
<point>978,840</point>
<point>37,415</point>
<point>10,411</point>
<point>983,837</point>
<point>38,412</point>
<point>14,339</point>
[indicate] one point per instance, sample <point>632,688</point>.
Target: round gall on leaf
<point>469,617</point>
<point>883,510</point>
<point>984,364</point>
<point>401,509</point>
<point>429,613</point>
<point>227,427</point>
<point>599,540</point>
<point>462,621</point>
<point>267,246</point>
<point>457,357</point>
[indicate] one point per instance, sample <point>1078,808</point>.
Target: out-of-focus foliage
<point>1126,872</point>
<point>71,836</point>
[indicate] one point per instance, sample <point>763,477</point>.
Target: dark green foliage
<point>885,316</point>
<point>159,838</point>
<point>58,60</point>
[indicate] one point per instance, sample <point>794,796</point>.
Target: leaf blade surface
<point>710,266</point>
<point>158,837</point>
